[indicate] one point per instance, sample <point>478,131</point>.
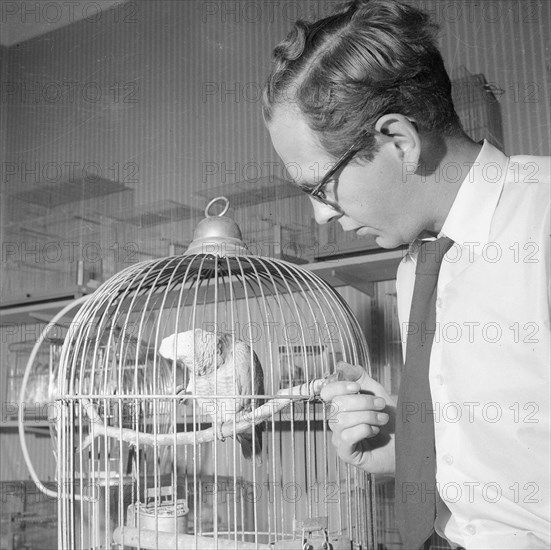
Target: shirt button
<point>439,379</point>
<point>448,459</point>
<point>439,302</point>
<point>471,529</point>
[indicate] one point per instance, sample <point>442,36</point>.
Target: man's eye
<point>330,184</point>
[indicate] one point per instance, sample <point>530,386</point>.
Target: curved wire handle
<point>20,418</point>
<point>213,202</point>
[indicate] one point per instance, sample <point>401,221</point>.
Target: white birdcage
<point>150,448</point>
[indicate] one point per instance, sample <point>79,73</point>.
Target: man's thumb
<point>356,373</point>
<point>350,373</point>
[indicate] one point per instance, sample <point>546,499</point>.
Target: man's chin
<point>382,240</point>
<point>388,242</point>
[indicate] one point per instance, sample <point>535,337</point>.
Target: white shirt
<point>490,360</point>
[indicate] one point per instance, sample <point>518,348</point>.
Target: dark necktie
<point>415,502</point>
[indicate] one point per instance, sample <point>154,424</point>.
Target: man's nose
<point>323,213</point>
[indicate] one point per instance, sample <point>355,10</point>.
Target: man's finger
<point>334,389</point>
<point>350,437</point>
<point>358,402</point>
<point>347,420</point>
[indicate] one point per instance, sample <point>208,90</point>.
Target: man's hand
<point>362,420</point>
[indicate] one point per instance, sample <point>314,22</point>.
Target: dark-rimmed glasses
<point>318,192</point>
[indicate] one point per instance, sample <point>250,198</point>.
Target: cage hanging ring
<point>213,202</point>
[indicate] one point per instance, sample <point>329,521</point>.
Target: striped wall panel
<point>508,41</point>
<point>163,96</point>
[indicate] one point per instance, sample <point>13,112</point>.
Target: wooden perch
<point>282,399</point>
<point>146,538</point>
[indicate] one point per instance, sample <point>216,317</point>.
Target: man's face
<point>374,198</point>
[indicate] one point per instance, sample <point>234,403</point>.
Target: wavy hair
<point>371,58</point>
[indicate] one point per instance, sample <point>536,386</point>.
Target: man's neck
<point>445,165</point>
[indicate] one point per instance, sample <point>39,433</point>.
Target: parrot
<point>219,364</point>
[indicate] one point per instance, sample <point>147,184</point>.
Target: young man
<point>361,103</point>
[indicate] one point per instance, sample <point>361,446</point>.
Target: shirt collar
<point>470,217</point>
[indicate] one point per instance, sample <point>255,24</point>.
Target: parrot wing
<point>212,364</point>
<point>251,444</point>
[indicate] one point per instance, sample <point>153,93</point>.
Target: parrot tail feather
<point>245,439</point>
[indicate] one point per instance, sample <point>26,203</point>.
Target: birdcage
<point>188,409</point>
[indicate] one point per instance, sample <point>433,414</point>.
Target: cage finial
<point>217,234</point>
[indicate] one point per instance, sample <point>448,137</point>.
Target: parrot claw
<point>181,390</point>
<point>220,435</point>
<point>185,400</point>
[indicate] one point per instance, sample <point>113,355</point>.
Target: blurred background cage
<point>40,380</point>
<point>28,519</point>
<point>142,460</point>
<point>476,102</point>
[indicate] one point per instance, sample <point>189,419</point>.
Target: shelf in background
<point>38,310</point>
<point>359,271</point>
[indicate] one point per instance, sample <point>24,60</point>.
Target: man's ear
<point>403,133</point>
